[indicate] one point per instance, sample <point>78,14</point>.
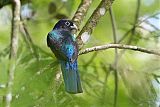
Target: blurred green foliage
<point>36,83</point>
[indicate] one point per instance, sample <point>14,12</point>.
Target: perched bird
<point>63,44</point>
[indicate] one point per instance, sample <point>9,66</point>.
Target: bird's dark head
<point>65,24</point>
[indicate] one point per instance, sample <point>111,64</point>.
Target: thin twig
<point>136,15</point>
<point>116,56</point>
<point>152,25</point>
<point>135,21</point>
<point>119,46</point>
<point>28,39</point>
<point>13,49</point>
<point>151,16</point>
<point>94,19</point>
<point>133,29</point>
<point>81,12</point>
<point>124,36</point>
<point>137,25</point>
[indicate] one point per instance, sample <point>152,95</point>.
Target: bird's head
<point>65,24</point>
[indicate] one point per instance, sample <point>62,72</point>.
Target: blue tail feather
<point>71,77</point>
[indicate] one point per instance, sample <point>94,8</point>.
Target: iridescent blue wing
<point>63,45</point>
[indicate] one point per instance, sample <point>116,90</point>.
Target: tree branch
<point>94,19</point>
<point>119,46</point>
<point>81,12</point>
<point>13,49</point>
<point>136,15</point>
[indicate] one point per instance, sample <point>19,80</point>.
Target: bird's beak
<point>74,27</point>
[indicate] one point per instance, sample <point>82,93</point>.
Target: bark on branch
<point>94,19</point>
<point>13,49</point>
<point>119,46</point>
<point>81,12</point>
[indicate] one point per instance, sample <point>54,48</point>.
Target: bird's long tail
<point>71,77</point>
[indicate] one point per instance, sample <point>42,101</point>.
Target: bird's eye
<point>67,23</point>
